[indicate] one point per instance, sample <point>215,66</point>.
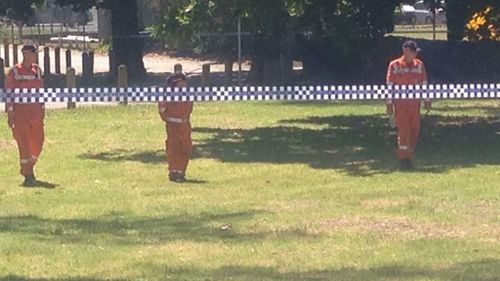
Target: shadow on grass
<point>19,278</point>
<point>119,155</point>
<point>481,270</point>
<point>44,184</point>
<point>144,230</point>
<point>360,145</point>
<point>490,110</point>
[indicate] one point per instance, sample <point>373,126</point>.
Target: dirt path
<point>154,63</point>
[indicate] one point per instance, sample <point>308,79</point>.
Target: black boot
<point>405,165</point>
<point>29,181</point>
<point>181,177</point>
<point>172,176</point>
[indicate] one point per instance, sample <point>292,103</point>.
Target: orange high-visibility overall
<point>28,118</point>
<point>178,145</point>
<point>407,111</point>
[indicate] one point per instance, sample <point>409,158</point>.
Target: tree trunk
<point>257,70</point>
<point>456,18</point>
<point>127,46</point>
<point>104,23</point>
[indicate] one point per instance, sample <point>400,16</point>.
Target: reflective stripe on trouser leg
<point>21,136</point>
<point>26,167</point>
<point>403,121</point>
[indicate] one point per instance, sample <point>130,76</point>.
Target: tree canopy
<point>19,11</point>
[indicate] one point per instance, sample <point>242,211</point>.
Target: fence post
<point>2,74</point>
<point>70,84</point>
<point>85,68</point>
<point>15,57</point>
<point>205,78</point>
<point>6,52</point>
<point>228,73</point>
<point>68,58</point>
<point>46,61</point>
<point>111,61</point>
<point>123,79</point>
<point>91,64</point>
<point>57,55</point>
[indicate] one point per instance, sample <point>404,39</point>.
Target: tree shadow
<point>490,110</point>
<point>360,145</point>
<point>19,278</point>
<point>481,270</point>
<point>123,229</point>
<point>120,155</point>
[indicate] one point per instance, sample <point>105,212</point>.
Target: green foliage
<point>19,11</point>
<point>270,22</point>
<point>459,12</point>
<point>84,5</point>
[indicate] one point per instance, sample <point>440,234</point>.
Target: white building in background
<point>50,13</point>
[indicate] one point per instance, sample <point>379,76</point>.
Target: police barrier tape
<point>258,93</point>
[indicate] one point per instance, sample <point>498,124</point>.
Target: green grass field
<point>420,32</point>
<point>279,191</point>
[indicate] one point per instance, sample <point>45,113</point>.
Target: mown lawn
<point>279,191</point>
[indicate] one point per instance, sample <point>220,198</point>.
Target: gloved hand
<point>389,109</point>
<point>428,105</point>
<point>10,121</point>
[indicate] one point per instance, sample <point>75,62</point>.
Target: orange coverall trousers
<point>29,134</point>
<point>407,114</point>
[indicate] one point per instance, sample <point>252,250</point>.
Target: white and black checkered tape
<point>287,93</point>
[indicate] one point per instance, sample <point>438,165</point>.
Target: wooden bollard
<point>6,53</point>
<point>70,84</point>
<point>205,76</point>
<point>2,74</point>
<point>123,80</point>
<point>57,56</point>
<point>91,63</point>
<point>68,58</point>
<point>85,67</point>
<point>46,61</point>
<point>15,57</point>
<point>111,62</point>
<point>228,73</point>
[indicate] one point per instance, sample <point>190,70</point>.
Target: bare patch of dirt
<point>382,203</point>
<point>7,144</point>
<point>400,226</point>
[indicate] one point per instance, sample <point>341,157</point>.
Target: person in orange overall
<point>26,120</point>
<point>407,70</point>
<point>178,144</point>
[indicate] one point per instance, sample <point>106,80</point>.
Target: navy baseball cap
<point>412,45</point>
<point>30,48</point>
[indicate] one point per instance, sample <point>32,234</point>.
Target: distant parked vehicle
<point>404,14</point>
<point>423,14</point>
